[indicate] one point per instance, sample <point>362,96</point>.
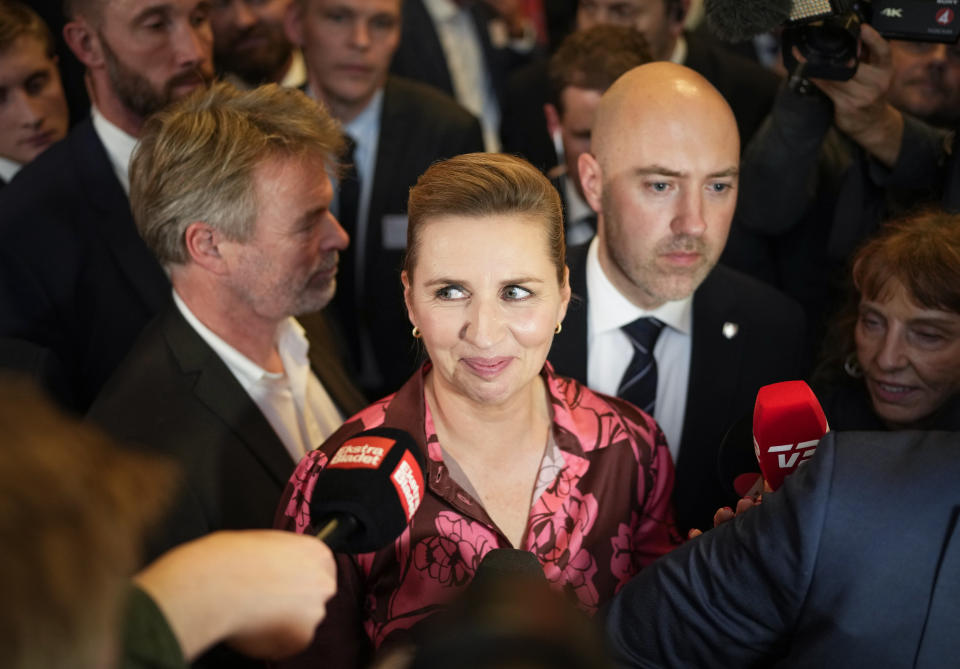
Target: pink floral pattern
<point>558,527</point>
<point>605,515</point>
<point>451,557</point>
<point>626,558</point>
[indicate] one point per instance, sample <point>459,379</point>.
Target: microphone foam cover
<point>788,423</point>
<point>740,20</point>
<point>377,477</point>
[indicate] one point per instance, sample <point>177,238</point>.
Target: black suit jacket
<point>77,283</point>
<point>725,373</point>
<point>854,562</point>
<point>420,55</point>
<point>418,127</point>
<point>173,395</point>
<point>749,88</point>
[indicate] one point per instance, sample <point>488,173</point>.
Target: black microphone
<point>369,491</point>
<point>741,20</point>
<point>507,563</point>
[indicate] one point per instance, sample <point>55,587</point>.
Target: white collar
<point>577,207</point>
<point>296,74</point>
<point>608,309</point>
<point>118,144</point>
<point>441,10</point>
<point>290,339</point>
<point>366,124</point>
<point>8,169</point>
<point>679,55</point>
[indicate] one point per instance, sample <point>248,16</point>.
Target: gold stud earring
<point>415,332</point>
<point>559,328</point>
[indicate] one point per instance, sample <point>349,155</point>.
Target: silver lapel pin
<point>730,330</point>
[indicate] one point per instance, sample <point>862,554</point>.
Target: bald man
<point>660,323</point>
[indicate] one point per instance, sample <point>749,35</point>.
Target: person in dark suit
<point>584,66</point>
<point>467,50</point>
<point>748,87</point>
<point>660,324</point>
<point>854,562</point>
<point>397,129</point>
<point>77,283</point>
<point>230,192</point>
<point>33,109</point>
<point>842,190</point>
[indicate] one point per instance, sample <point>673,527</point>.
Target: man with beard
<point>250,46</point>
<point>230,193</point>
<point>77,284</point>
<point>661,324</point>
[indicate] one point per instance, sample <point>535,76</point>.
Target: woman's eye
<point>451,293</point>
<point>869,322</point>
<point>928,338</point>
<point>516,293</point>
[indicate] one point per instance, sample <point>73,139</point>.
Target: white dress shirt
<point>679,55</point>
<point>609,351</point>
<point>463,48</point>
<point>119,146</point>
<point>8,169</point>
<point>294,402</point>
<point>296,74</point>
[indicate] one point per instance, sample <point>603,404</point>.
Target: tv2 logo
<point>802,451</point>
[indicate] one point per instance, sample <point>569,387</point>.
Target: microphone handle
<point>336,531</point>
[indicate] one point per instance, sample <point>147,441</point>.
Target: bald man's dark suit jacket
<point>854,562</point>
<point>725,373</point>
<point>77,283</point>
<point>173,395</point>
<point>418,126</point>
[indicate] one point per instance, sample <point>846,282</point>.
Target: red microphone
<point>788,423</point>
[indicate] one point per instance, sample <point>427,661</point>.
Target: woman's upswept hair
<point>485,184</point>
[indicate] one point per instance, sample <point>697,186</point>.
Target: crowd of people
<point>562,245</point>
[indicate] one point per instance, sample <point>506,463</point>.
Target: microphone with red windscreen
<point>368,492</point>
<point>788,423</point>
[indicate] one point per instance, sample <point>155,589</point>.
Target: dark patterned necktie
<point>349,195</point>
<point>639,383</point>
<point>345,300</point>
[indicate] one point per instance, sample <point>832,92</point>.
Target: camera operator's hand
<point>860,105</point>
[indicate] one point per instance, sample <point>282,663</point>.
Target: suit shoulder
<point>427,101</point>
<point>30,190</point>
<point>751,292</point>
<point>145,371</point>
<point>47,195</point>
<point>712,59</point>
<point>531,77</point>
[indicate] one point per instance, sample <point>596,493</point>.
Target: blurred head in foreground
<point>73,510</point>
